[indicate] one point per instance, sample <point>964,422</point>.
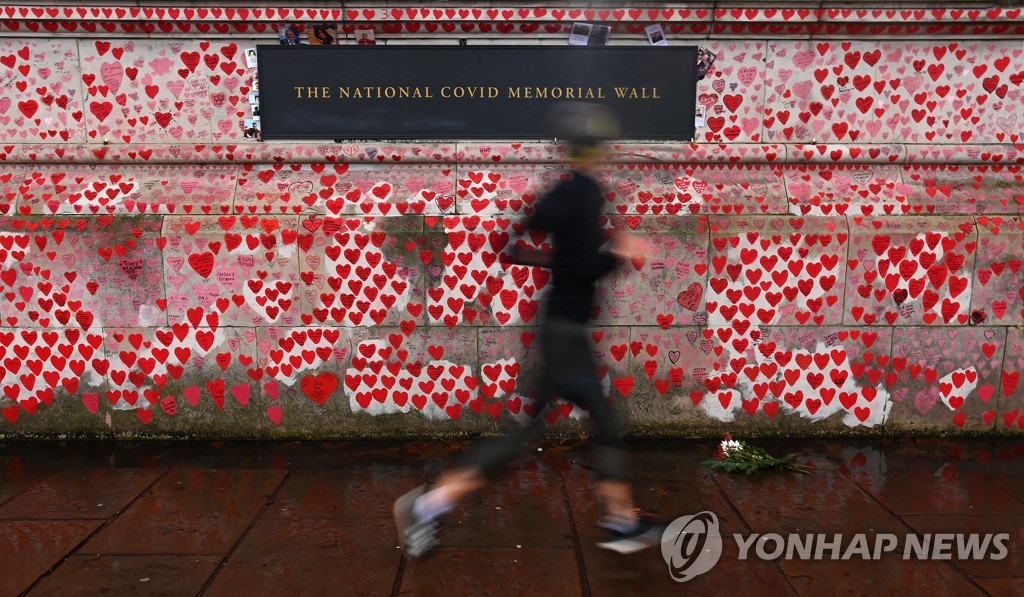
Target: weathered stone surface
<point>957,189</point>
<point>343,189</point>
<point>361,271</point>
<point>178,381</point>
<point>727,91</point>
<point>666,288</point>
<point>84,272</point>
<point>837,185</point>
<point>997,280</point>
<point>1010,417</point>
<point>861,190</point>
<point>303,371</point>
<point>675,189</point>
<point>243,268</point>
<point>776,270</point>
<point>908,271</point>
<point>945,377</point>
<point>492,189</point>
<point>126,190</point>
<point>373,384</point>
<point>510,369</point>
<point>471,278</point>
<point>799,379</point>
<point>193,92</point>
<point>60,106</point>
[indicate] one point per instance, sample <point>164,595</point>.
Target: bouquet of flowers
<point>734,456</point>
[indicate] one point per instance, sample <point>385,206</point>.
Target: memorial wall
<point>837,247</point>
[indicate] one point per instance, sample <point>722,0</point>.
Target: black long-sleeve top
<point>570,213</point>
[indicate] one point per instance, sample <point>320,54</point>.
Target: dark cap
<point>583,124</point>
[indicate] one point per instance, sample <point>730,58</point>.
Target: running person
<point>570,213</point>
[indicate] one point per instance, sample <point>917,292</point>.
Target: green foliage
<point>737,457</point>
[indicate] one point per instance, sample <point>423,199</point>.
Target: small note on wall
<point>656,35</point>
<point>587,34</point>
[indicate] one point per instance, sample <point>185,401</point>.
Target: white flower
<point>731,445</point>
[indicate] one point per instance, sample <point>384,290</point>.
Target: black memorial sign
<point>471,92</point>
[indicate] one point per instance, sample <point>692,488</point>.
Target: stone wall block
<point>182,380</point>
<point>243,270</point>
<point>945,378</point>
<point>361,272</point>
<point>911,270</point>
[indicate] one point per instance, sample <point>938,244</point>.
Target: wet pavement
<point>313,518</point>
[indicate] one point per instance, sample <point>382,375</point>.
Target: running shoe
<point>416,535</point>
<point>646,534</point>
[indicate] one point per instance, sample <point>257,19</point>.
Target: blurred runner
<point>570,214</point>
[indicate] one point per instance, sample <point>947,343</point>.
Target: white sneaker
<point>416,536</point>
<point>646,534</point>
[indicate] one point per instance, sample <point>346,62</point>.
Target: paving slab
<point>189,511</point>
<point>144,576</point>
<point>645,573</point>
<point>526,509</point>
<point>1011,562</point>
<point>794,503</point>
<point>312,557</point>
<point>95,493</point>
<point>16,477</point>
<point>495,571</point>
<point>37,546</point>
<point>361,491</point>
<point>1002,586</point>
<point>291,518</point>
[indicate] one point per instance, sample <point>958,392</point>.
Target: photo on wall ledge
<point>251,129</point>
<point>705,60</point>
<point>365,37</point>
<point>288,35</point>
<point>656,35</point>
<point>579,34</point>
<point>588,34</point>
<point>323,34</point>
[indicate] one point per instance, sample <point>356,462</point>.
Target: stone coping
<point>507,152</point>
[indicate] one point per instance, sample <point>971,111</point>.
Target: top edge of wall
<point>539,21</point>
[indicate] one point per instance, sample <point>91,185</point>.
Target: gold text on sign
<point>473,92</point>
<point>637,93</point>
<point>369,92</point>
<point>556,93</point>
<point>305,92</point>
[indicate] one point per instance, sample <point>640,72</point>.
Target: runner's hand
<point>626,245</point>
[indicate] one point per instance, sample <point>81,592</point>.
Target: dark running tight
<point>569,371</point>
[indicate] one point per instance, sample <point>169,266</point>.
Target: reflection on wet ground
<point>313,518</point>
